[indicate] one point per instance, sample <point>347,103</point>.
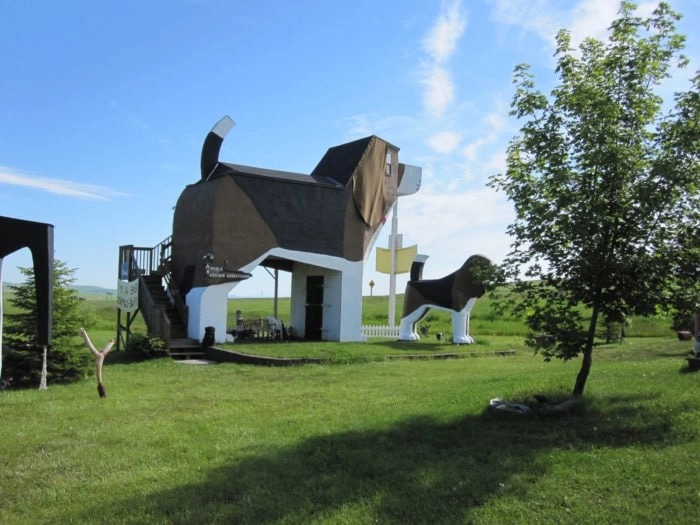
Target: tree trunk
<point>584,371</point>
<point>587,355</point>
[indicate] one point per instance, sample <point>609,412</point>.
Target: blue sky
<point>104,107</point>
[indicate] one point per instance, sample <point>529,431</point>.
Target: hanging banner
<point>404,259</point>
<point>128,295</point>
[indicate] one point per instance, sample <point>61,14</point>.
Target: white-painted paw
<point>408,336</point>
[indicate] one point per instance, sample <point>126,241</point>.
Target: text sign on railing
<point>128,295</point>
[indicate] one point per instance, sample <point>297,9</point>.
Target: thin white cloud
<point>443,36</point>
<point>496,121</point>
<point>57,186</point>
<point>592,18</point>
<point>439,90</point>
<point>439,45</point>
<point>444,224</point>
<point>374,124</point>
<point>583,19</point>
<point>492,129</point>
<point>472,149</point>
<point>444,142</point>
<point>537,16</point>
<point>358,125</point>
<point>495,163</point>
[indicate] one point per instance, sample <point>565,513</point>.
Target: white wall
<point>331,300</point>
<point>342,298</point>
<point>207,306</point>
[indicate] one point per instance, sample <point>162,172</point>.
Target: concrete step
<point>185,348</point>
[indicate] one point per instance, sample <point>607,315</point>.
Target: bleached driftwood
<point>99,359</point>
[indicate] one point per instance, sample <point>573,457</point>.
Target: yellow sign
<point>404,259</point>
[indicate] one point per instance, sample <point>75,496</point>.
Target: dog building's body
<point>456,293</point>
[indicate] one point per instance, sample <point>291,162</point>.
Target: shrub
<point>145,347</point>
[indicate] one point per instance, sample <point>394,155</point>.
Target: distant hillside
<point>94,290</point>
<point>83,290</point>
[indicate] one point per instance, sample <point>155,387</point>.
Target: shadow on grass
<point>418,471</point>
<point>433,346</point>
<point>687,369</point>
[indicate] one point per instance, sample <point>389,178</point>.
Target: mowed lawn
<point>375,441</point>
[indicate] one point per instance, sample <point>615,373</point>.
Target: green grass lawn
<point>366,441</point>
<point>377,349</point>
<point>363,438</point>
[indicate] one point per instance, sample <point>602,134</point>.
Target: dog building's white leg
<point>407,329</point>
<point>460,324</point>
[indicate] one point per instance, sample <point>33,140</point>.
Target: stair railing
<point>153,313</point>
<point>138,262</point>
<point>165,269</point>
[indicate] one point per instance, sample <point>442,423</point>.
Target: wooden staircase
<point>159,298</point>
<point>179,345</point>
<point>160,304</point>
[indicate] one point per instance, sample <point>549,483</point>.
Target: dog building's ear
<point>374,182</point>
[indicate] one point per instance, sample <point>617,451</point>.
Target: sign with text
<point>128,295</point>
<point>219,272</point>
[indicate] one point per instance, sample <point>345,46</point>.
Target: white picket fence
<point>369,330</point>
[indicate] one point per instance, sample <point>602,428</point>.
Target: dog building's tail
<point>212,145</point>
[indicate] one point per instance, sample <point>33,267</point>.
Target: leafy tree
<point>683,135</point>
<point>67,359</point>
<point>605,186</point>
<point>685,290</point>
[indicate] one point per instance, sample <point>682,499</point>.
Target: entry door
<point>314,307</point>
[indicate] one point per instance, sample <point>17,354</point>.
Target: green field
<point>484,321</point>
<point>100,315</point>
<point>363,439</point>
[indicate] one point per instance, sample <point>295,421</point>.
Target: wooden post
<point>44,373</point>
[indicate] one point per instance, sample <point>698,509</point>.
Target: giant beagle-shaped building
<point>320,227</point>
